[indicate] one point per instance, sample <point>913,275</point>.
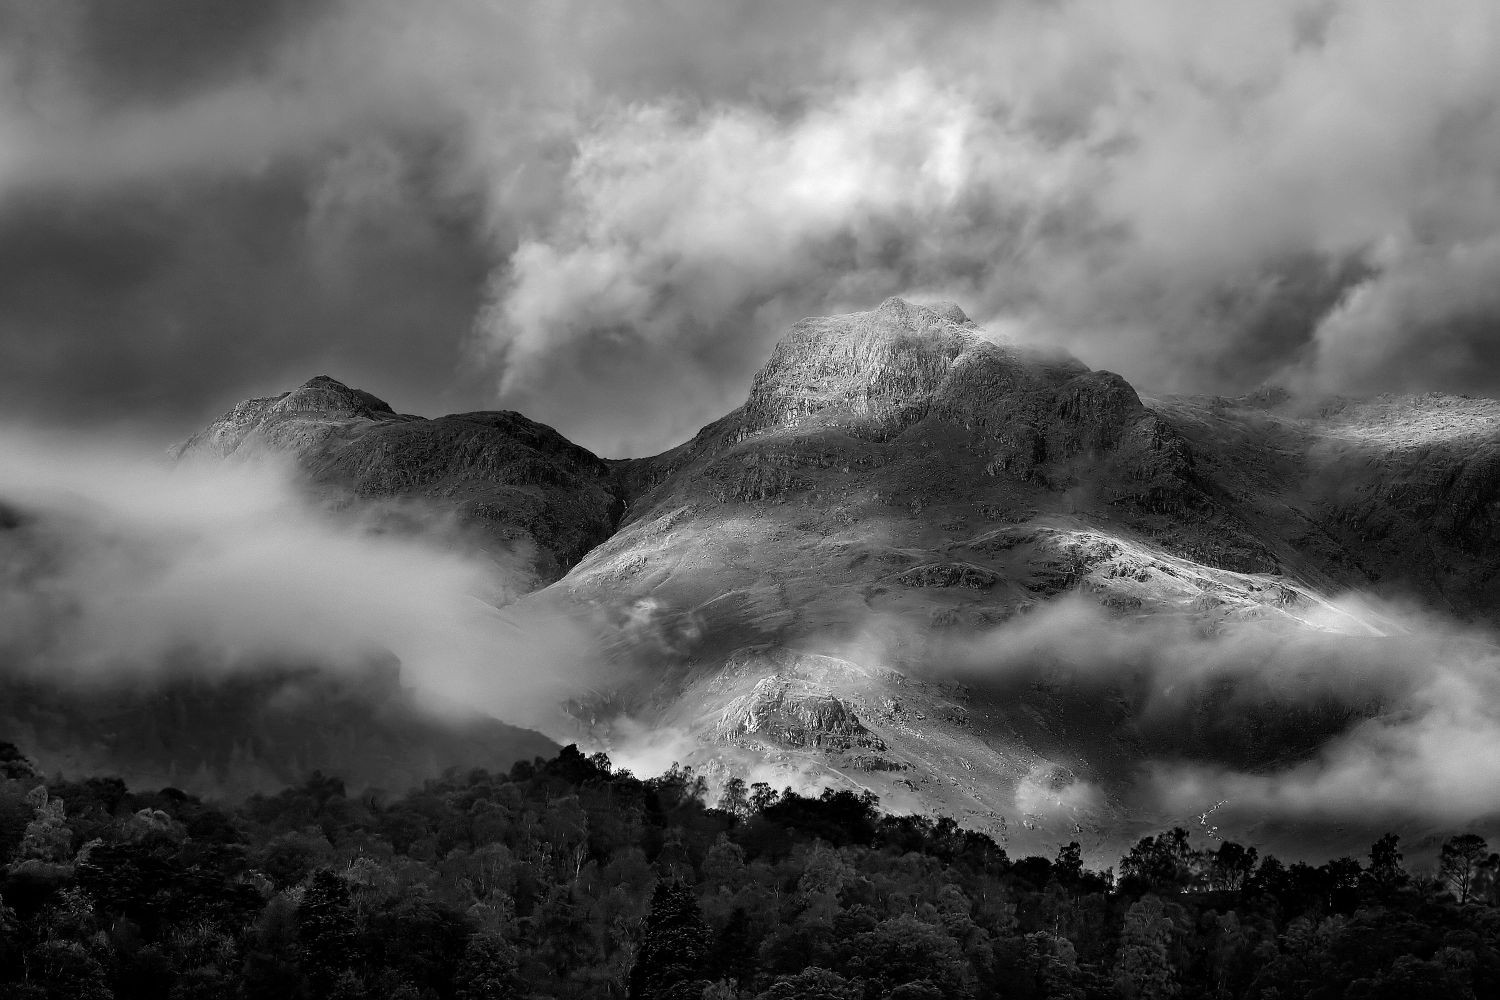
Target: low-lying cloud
<point>1367,712</point>
<point>124,568</point>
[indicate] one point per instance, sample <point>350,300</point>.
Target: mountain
<point>895,483</point>
<point>897,488</point>
<point>514,484</point>
<point>892,566</point>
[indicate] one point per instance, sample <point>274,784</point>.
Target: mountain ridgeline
<point>791,588</point>
<point>1398,493</point>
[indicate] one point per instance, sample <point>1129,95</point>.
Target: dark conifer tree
<point>731,957</point>
<point>489,970</point>
<point>326,932</point>
<point>672,955</point>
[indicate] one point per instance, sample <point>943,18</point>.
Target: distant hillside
<point>230,735</point>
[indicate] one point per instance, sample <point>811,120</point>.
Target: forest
<point>569,878</point>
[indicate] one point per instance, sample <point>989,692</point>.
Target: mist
<point>1386,713</point>
<point>124,568</point>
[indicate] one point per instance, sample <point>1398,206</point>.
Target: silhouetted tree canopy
<point>567,878</point>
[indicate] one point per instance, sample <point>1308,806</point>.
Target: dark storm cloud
<point>623,205</point>
<point>150,50</point>
<point>161,305</point>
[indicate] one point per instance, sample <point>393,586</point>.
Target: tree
<point>326,931</point>
<point>1385,873</point>
<point>1143,967</point>
<point>1343,876</point>
<point>1164,863</point>
<point>10,937</point>
<point>1068,868</point>
<point>68,970</point>
<point>47,837</point>
<point>905,950</point>
<point>671,959</point>
<point>724,866</point>
<point>812,984</point>
<point>270,971</point>
<point>1230,866</point>
<point>1460,862</point>
<point>14,764</point>
<point>489,969</point>
<point>735,798</point>
<point>732,956</point>
<point>762,797</point>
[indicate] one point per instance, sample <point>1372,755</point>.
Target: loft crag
<point>519,484</point>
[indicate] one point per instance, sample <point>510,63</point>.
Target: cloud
<point>1432,763</point>
<point>1359,712</point>
<point>1426,316</point>
<point>1192,197</point>
<point>690,234</point>
<point>125,568</point>
<point>629,206</point>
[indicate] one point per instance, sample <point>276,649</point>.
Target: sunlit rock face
<point>796,713</point>
<point>299,419</point>
<point>850,387</point>
<point>874,375</point>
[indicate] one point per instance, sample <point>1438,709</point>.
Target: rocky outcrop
<point>877,372</point>
<point>516,484</point>
<point>871,392</point>
<point>795,712</point>
<point>293,421</point>
<point>874,375</point>
<point>949,574</point>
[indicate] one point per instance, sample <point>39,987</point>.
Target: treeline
<point>568,878</point>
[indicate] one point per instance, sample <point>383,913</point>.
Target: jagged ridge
<point>518,482</point>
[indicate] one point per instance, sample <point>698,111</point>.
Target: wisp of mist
<point>120,560</point>
<point>1422,694</point>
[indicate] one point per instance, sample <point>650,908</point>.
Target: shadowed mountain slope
<point>517,485</point>
<point>234,733</point>
<point>1397,494</point>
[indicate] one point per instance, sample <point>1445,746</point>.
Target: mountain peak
<point>902,383</point>
<point>288,420</point>
<point>864,364</point>
<point>329,397</point>
<point>888,367</point>
<point>903,310</point>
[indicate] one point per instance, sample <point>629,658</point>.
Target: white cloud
<point>130,567</point>
<point>665,190</point>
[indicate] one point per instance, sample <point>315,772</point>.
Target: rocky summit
<point>815,587</point>
<point>517,484</point>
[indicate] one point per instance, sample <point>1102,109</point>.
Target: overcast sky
<point>603,213</point>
